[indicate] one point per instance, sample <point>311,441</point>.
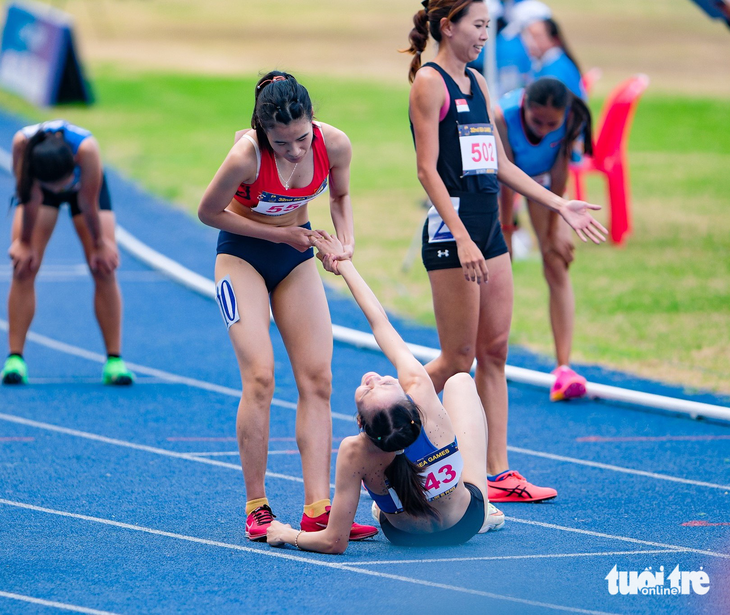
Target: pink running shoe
<point>511,486</point>
<point>317,524</point>
<point>568,384</point>
<point>258,522</point>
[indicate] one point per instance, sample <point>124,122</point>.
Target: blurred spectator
<point>551,58</point>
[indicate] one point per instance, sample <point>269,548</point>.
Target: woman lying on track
<point>423,462</point>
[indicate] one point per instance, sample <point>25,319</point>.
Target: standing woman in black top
<point>460,158</point>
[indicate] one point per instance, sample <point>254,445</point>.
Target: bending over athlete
<point>57,163</point>
<point>258,199</point>
<point>539,126</point>
<point>423,462</point>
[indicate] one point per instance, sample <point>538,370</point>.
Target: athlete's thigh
<point>302,315</point>
<point>543,220</point>
<point>107,223</point>
<point>250,300</point>
<point>42,229</point>
<point>456,308</point>
<point>496,302</point>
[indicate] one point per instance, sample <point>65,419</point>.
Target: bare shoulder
<point>88,147</point>
<point>428,84</point>
<point>337,142</point>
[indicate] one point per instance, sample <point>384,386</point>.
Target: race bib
<point>478,149</point>
<point>543,179</point>
<point>227,301</point>
<point>437,229</point>
<point>442,473</point>
<point>271,204</point>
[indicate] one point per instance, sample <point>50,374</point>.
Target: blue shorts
<point>480,215</point>
<point>272,261</point>
<point>468,526</point>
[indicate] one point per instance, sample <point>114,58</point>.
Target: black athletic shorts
<point>468,526</point>
<point>480,215</point>
<point>56,199</point>
<point>273,261</point>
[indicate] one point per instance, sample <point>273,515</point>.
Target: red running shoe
<point>511,486</point>
<point>317,524</point>
<point>258,522</point>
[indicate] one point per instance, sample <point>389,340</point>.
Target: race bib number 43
<point>478,148</point>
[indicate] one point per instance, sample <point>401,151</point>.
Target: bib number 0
<point>478,149</point>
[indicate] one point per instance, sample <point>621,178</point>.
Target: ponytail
<point>551,92</point>
<point>428,21</point>
<point>279,99</point>
<point>393,430</point>
<point>45,158</point>
<point>555,33</point>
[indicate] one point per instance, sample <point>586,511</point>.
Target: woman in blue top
<point>539,126</point>
<point>551,57</point>
<point>423,462</point>
<point>460,158</point>
<point>56,163</point>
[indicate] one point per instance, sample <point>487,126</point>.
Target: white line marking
<point>174,378</point>
<point>648,543</point>
<point>159,451</point>
<point>58,605</point>
<point>140,447</point>
<point>605,466</point>
<point>282,554</point>
<point>487,558</point>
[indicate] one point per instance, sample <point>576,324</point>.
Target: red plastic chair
<point>610,154</point>
<point>589,78</point>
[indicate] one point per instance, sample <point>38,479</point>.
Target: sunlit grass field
<point>658,307</point>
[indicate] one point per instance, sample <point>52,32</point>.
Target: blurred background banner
<point>38,60</point>
<point>717,9</point>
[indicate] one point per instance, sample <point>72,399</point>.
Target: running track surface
<point>131,500</point>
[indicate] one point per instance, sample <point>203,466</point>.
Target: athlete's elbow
<point>336,547</point>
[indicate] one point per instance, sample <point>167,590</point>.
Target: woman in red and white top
<point>258,199</point>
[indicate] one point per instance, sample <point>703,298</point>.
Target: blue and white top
<point>73,135</point>
<point>535,159</point>
<point>555,63</point>
<point>441,469</point>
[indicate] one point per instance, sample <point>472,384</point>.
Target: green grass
<point>659,307</point>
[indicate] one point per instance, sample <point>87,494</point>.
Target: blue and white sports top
<point>72,135</point>
<point>555,63</point>
<point>533,159</point>
<point>441,468</point>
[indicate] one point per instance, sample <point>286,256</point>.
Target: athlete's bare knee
<point>494,352</point>
<point>315,384</point>
<point>458,359</point>
<point>554,268</point>
<point>258,385</point>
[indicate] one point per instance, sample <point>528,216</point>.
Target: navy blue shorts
<point>273,261</point>
<point>480,215</point>
<point>56,199</point>
<point>468,526</point>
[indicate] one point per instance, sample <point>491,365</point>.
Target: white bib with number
<point>271,204</point>
<point>478,149</point>
<point>441,471</point>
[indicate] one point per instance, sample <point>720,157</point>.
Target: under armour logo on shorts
<point>443,253</point>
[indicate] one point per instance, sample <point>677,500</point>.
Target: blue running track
<point>131,500</point>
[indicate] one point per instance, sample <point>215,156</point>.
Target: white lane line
<point>648,543</point>
<point>282,554</point>
<point>140,447</point>
<point>159,451</point>
<point>215,388</point>
<point>613,468</point>
<point>58,605</point>
<point>489,558</point>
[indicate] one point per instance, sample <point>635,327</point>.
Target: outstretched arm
<point>409,368</point>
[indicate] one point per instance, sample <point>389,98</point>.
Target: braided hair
<point>392,430</point>
<point>280,99</point>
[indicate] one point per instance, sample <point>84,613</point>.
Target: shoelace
<point>263,515</point>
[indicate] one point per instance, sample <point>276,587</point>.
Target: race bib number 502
<point>478,149</point>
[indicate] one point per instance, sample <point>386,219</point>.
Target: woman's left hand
<point>276,532</point>
<point>576,214</point>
